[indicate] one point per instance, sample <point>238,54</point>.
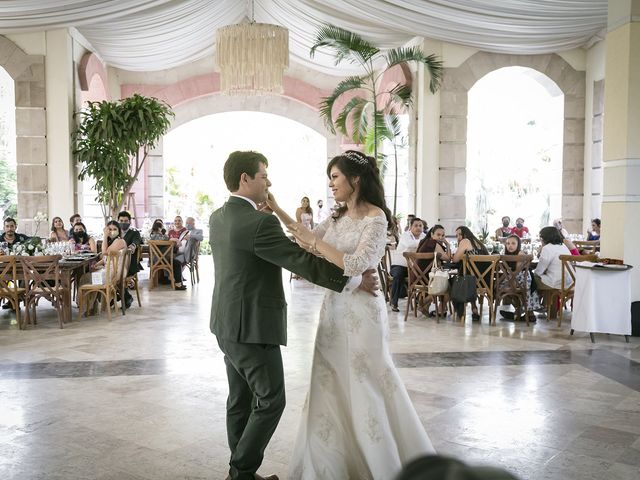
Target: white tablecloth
<point>602,301</point>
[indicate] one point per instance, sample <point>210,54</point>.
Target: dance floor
<point>143,397</point>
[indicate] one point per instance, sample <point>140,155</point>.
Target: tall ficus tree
<point>112,142</point>
<point>371,114</point>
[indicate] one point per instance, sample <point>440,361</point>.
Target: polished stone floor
<point>143,397</point>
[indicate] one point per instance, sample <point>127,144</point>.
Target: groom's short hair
<point>239,163</point>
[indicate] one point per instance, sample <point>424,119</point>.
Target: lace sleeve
<point>370,247</point>
<point>321,228</point>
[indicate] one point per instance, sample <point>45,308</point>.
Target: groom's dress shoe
<point>269,477</point>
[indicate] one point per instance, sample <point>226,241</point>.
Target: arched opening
<point>8,183</point>
<point>514,149</point>
<point>194,154</point>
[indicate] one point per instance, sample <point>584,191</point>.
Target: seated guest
<point>157,229</point>
<point>558,224</point>
<point>408,242</point>
<point>410,218</point>
<point>10,236</point>
<point>133,240</point>
<point>512,246</point>
<point>548,273</point>
<point>58,232</point>
<point>193,235</point>
<point>112,239</point>
<point>519,229</point>
<point>434,242</point>
<point>570,245</point>
<point>594,234</point>
<point>83,242</point>
<point>178,232</point>
<point>468,243</point>
<point>159,233</point>
<point>505,229</point>
<point>72,221</point>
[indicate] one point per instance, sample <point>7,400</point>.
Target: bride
<point>358,421</point>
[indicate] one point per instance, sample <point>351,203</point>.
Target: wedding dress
<point>358,421</point>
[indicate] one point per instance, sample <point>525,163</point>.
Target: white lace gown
<point>358,421</point>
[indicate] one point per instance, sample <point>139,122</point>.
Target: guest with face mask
<point>82,240</point>
<point>505,229</point>
<point>520,230</point>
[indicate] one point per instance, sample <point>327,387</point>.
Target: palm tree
<point>371,115</point>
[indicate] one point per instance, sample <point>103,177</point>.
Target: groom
<point>249,312</point>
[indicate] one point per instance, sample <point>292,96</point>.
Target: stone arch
<point>456,84</point>
<point>27,72</point>
<point>150,192</point>
<point>92,77</point>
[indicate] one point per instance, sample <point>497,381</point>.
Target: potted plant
<point>371,114</point>
<point>113,141</point>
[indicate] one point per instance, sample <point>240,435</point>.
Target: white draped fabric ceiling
<point>148,35</point>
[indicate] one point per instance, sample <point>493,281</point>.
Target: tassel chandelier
<point>252,57</point>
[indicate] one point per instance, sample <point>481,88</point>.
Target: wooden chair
<point>161,260</point>
<point>133,279</point>
<point>511,282</point>
<point>192,265</point>
<point>482,267</point>
<point>587,247</point>
<point>9,288</point>
<point>384,269</point>
<point>114,273</point>
<point>418,275</point>
<point>42,279</point>
<point>568,283</point>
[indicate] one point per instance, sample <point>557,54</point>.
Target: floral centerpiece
<point>31,247</point>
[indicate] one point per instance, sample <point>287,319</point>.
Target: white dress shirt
<point>407,243</point>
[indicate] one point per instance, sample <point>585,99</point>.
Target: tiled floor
<point>143,397</point>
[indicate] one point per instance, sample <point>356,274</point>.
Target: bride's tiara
<point>357,157</point>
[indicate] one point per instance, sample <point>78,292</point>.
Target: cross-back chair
<point>418,266</point>
<point>511,282</point>
<point>483,268</point>
<point>192,264</point>
<point>9,288</point>
<point>160,260</point>
<point>384,268</point>
<point>114,273</point>
<point>42,279</point>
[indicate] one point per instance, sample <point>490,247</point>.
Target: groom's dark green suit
<point>249,319</point>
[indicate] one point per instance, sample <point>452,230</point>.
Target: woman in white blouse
<point>408,242</point>
<point>548,273</point>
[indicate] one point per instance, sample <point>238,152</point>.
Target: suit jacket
<point>249,250</point>
<point>132,237</point>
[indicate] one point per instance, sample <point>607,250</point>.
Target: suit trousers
<point>398,286</point>
<point>255,403</point>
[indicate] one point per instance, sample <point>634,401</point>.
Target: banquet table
<point>602,300</point>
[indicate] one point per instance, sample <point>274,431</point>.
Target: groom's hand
<point>369,282</point>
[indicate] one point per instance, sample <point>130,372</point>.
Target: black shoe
<point>128,299</point>
<point>507,315</point>
<point>394,308</point>
<point>181,287</point>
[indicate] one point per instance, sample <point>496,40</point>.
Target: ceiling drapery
<point>147,35</point>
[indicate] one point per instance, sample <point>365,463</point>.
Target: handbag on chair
<point>438,279</point>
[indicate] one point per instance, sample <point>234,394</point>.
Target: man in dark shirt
<point>10,236</point>
<point>133,239</point>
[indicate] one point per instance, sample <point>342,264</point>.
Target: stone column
<point>621,146</point>
<point>59,113</point>
<point>428,151</point>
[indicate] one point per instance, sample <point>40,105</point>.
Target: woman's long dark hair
<point>475,243</point>
<point>83,237</point>
<point>551,235</point>
<point>109,239</point>
<point>158,227</point>
<point>53,223</point>
<point>356,164</point>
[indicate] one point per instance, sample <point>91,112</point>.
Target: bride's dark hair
<point>354,164</point>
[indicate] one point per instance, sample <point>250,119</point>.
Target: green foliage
<point>205,247</point>
<point>113,140</point>
<point>8,189</point>
<point>363,118</point>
